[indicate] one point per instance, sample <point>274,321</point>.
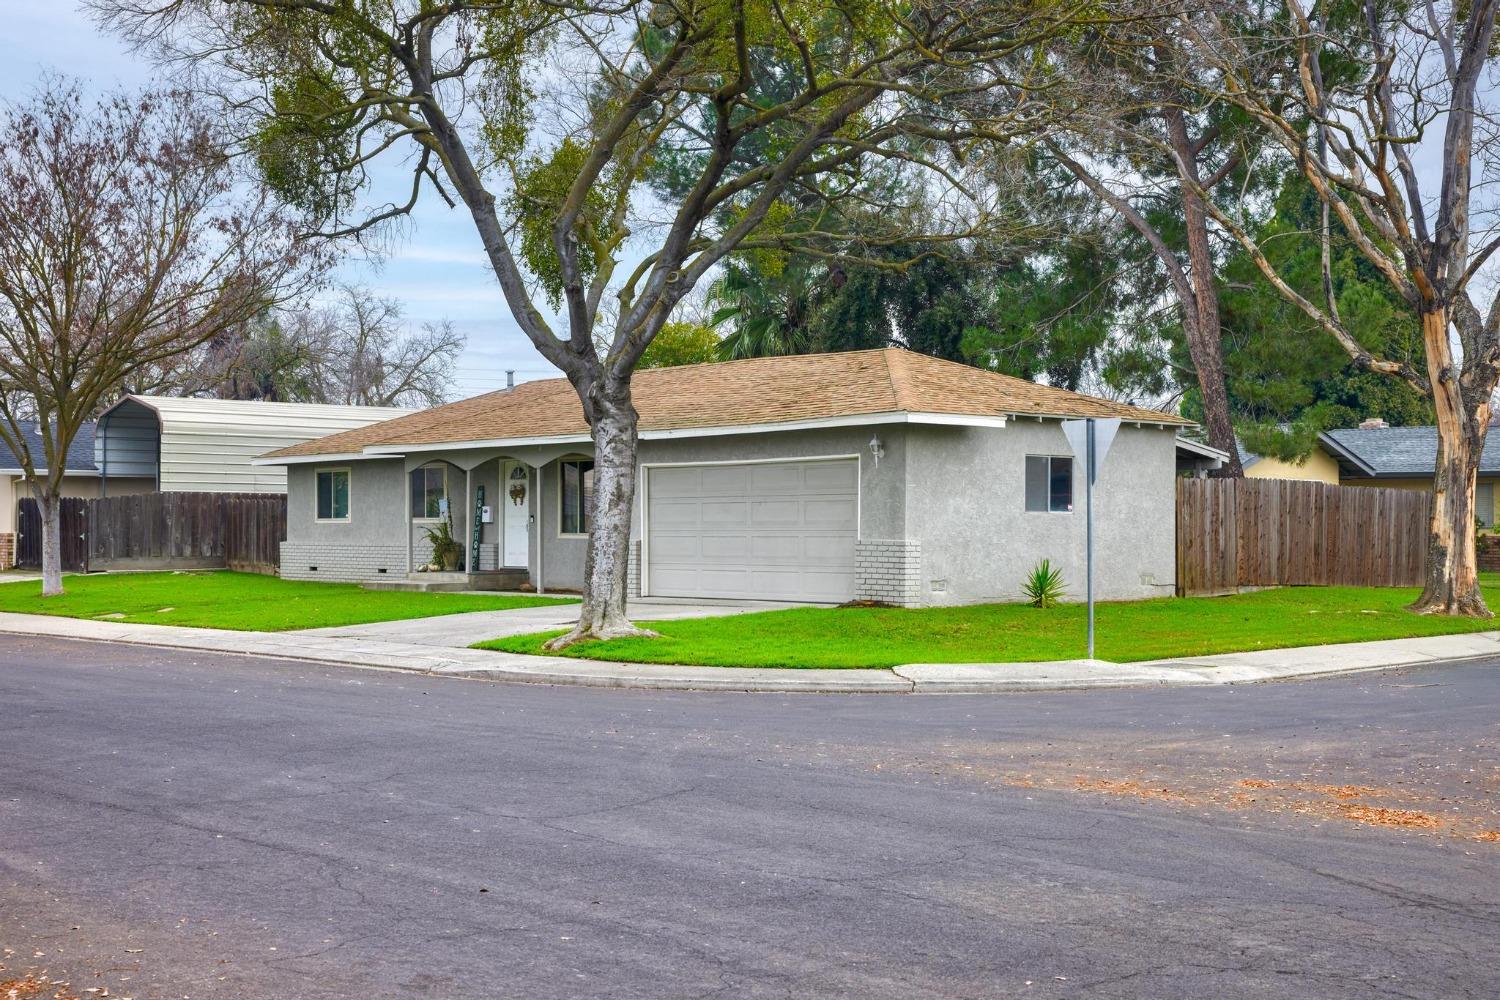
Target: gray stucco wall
<point>370,541</point>
<point>967,507</point>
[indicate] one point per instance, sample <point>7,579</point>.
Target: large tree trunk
<point>1452,564</point>
<point>612,418</point>
<point>50,505</point>
<point>1205,334</point>
<point>1205,339</point>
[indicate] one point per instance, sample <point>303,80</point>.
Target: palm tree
<point>770,312</point>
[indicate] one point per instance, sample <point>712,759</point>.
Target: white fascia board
<point>312,459</point>
<point>957,419</point>
<point>388,450</point>
<point>854,420</point>
<point>1199,448</point>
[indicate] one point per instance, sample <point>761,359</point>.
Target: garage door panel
<point>772,531</point>
<point>775,514</point>
<point>776,548</point>
<point>677,515</point>
<point>821,586</point>
<point>775,478</point>
<point>835,477</point>
<point>672,548</point>
<point>676,482</point>
<point>721,512</point>
<point>675,580</point>
<point>723,480</point>
<point>826,548</point>
<point>724,547</point>
<point>820,513</point>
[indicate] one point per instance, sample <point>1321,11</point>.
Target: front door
<point>515,501</point>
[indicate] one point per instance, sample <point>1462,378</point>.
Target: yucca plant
<point>1043,586</point>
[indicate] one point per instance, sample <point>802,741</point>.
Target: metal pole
<point>1088,506</point>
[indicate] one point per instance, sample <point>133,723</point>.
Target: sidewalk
<point>426,658</point>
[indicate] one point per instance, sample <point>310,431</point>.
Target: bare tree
<point>126,239</point>
<point>372,360</point>
<point>1352,106</point>
<point>356,350</point>
<point>553,181</point>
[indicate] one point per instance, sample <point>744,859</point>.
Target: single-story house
<point>208,445</point>
<point>880,475</point>
<point>81,478</point>
<point>1404,458</point>
<point>1317,466</point>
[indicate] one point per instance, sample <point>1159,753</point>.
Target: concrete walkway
<point>461,631</point>
<point>337,646</point>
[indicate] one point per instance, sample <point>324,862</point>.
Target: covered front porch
<point>490,502</point>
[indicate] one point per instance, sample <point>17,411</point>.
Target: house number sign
<point>476,521</point>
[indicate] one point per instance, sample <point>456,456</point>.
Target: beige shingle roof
<point>731,394</point>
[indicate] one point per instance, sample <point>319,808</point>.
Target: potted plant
<point>445,548</point>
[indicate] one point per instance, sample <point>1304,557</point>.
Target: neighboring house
<point>1317,466</point>
<point>208,445</point>
<point>1404,458</point>
<point>81,478</point>
<point>881,475</point>
<point>1198,458</point>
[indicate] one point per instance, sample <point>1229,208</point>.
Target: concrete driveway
<point>466,629</point>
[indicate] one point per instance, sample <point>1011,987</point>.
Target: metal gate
<point>75,528</point>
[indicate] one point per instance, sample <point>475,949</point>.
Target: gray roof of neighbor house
<point>80,452</point>
<point>1396,452</point>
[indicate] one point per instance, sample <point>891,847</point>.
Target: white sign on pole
<point>1076,432</point>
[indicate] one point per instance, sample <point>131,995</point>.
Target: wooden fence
<point>254,528</point>
<point>1234,533</point>
<point>74,532</point>
<point>241,531</point>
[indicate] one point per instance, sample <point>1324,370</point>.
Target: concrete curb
<point>1304,662</point>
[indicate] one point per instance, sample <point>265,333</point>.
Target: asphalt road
<point>180,825</point>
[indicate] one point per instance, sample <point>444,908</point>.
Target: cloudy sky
<point>436,270</point>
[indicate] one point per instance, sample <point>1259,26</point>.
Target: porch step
<point>504,579</point>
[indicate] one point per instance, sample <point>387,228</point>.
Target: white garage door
<point>777,531</point>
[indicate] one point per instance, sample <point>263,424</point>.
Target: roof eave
<point>883,418</point>
<point>1341,452</point>
<point>274,460</point>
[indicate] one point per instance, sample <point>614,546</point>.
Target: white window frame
<point>447,494</point>
<point>1072,483</point>
<point>348,472</point>
<point>560,463</point>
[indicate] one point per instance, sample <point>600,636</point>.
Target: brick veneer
<point>344,563</point>
<point>633,570</point>
<point>889,571</point>
<point>1489,553</point>
<point>7,550</point>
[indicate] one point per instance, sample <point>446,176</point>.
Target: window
<point>1049,483</point>
<point>333,494</point>
<point>429,488</point>
<point>577,496</point>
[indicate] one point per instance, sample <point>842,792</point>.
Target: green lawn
<point>243,601</point>
<point>1136,630</point>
